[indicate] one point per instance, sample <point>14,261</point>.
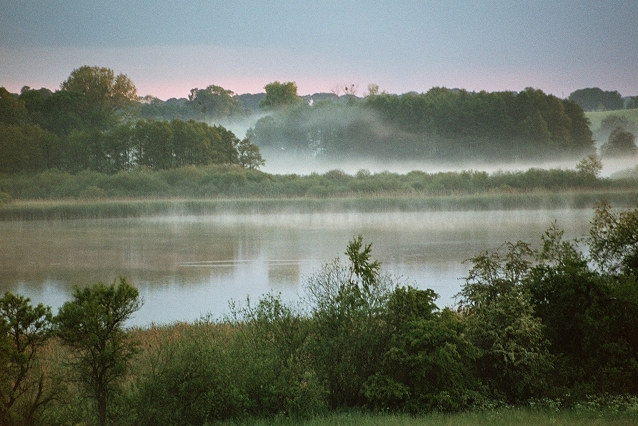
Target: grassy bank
<point>122,208</point>
<point>505,416</point>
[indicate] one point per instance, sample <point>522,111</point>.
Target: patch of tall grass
<point>233,182</point>
<point>506,416</point>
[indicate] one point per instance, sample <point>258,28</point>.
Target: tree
<point>348,339</point>
<point>35,102</point>
<point>373,90</point>
<point>249,156</point>
<point>214,102</point>
<point>92,324</point>
<point>588,314</point>
<point>12,108</point>
<point>590,166</point>
<point>24,329</point>
<point>596,99</point>
<point>153,141</point>
<point>613,240</point>
<point>280,95</point>
<point>613,121</point>
<point>103,92</point>
<point>428,362</point>
<point>513,358</point>
<point>621,143</point>
<point>581,134</point>
<point>27,147</point>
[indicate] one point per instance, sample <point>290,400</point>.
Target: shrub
<point>428,363</point>
<point>348,336</point>
<point>92,193</point>
<point>190,379</point>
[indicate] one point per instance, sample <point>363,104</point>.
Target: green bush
<point>277,368</point>
<point>191,379</point>
<point>254,364</point>
<point>428,364</point>
<point>348,337</point>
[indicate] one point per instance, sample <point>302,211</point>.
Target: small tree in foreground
<point>513,356</point>
<point>92,324</point>
<point>24,329</point>
<point>347,301</point>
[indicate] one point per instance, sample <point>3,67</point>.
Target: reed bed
<point>124,208</point>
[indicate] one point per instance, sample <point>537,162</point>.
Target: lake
<point>186,267</point>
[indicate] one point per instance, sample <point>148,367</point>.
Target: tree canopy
<point>440,124</point>
<point>94,123</point>
<point>101,87</point>
<point>596,99</point>
<point>280,95</point>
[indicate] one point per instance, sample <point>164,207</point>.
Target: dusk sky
<point>169,47</point>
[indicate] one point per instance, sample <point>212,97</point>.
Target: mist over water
<point>190,266</point>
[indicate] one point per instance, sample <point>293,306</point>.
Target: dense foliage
<point>97,122</point>
<point>596,99</point>
<point>552,326</point>
<point>439,124</point>
<point>94,122</point>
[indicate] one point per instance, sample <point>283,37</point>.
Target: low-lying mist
<point>350,138</point>
<point>282,162</point>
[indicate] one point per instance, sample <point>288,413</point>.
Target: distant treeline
<point>97,122</point>
<point>93,123</point>
<point>596,99</point>
<point>439,124</point>
<point>155,145</point>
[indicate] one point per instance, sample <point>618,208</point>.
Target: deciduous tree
<point>620,143</point>
<point>92,325</point>
<point>24,329</point>
<point>280,95</point>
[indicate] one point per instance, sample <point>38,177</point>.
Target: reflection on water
<point>186,267</point>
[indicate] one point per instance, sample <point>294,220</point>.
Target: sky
<point>168,47</point>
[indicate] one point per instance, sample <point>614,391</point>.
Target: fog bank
<point>281,162</point>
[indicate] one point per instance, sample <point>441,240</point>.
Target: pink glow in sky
<point>168,48</point>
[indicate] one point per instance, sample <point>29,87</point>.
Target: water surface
<point>187,267</point>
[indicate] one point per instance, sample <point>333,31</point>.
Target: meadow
<point>596,117</point>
